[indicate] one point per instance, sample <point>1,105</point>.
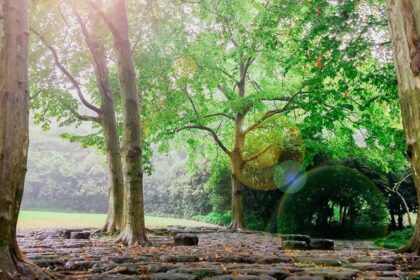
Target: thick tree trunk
<point>237,205</point>
<point>237,165</point>
<point>14,136</point>
<point>404,22</point>
<point>114,218</point>
<point>134,231</point>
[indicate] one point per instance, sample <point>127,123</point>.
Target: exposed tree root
<point>413,246</point>
<point>108,227</point>
<point>236,226</point>
<point>14,266</point>
<point>130,239</point>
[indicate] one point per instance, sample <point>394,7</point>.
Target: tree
<point>134,230</point>
<point>105,113</point>
<point>246,66</point>
<point>14,135</point>
<point>404,22</point>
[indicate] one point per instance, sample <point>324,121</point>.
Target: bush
<point>221,219</point>
<point>396,239</point>
<point>334,201</point>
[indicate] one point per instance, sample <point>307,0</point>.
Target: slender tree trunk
<point>404,22</point>
<point>14,136</point>
<point>114,218</point>
<point>393,222</point>
<point>237,162</point>
<point>134,231</point>
<point>400,220</point>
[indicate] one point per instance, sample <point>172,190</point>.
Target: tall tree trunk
<point>134,231</point>
<point>400,219</point>
<point>237,205</point>
<point>114,218</point>
<point>404,22</point>
<point>237,163</point>
<point>14,135</point>
<point>393,225</point>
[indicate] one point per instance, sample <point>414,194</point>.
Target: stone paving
<point>220,255</point>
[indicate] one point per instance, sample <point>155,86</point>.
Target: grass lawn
<point>29,220</point>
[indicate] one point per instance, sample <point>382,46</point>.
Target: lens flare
<point>289,176</point>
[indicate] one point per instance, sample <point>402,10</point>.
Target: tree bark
<point>114,218</point>
<point>237,164</point>
<point>237,205</point>
<point>134,231</point>
<point>404,22</point>
<point>14,136</point>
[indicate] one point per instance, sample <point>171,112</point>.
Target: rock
<point>156,267</point>
<point>118,277</point>
<point>295,245</point>
<point>80,235</point>
<point>324,261</point>
<point>322,244</point>
<point>415,266</point>
<point>182,239</point>
<point>296,237</point>
<point>305,278</point>
<point>79,265</point>
<point>172,276</point>
<point>176,259</point>
<point>200,272</point>
<point>242,277</point>
<point>48,262</point>
<point>372,266</point>
<point>275,273</point>
<point>333,273</point>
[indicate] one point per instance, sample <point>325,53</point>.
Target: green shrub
<point>334,201</point>
<point>221,219</point>
<point>396,239</point>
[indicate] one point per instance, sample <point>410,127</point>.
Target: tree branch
<point>191,101</point>
<point>248,63</point>
<point>67,73</point>
<point>272,113</point>
<point>212,132</point>
<point>395,190</point>
<point>259,154</point>
<point>106,19</point>
<point>219,114</point>
<point>225,93</point>
<point>84,117</point>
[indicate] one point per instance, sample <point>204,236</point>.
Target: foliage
<point>222,219</point>
<point>63,176</point>
<point>395,240</point>
<point>172,190</point>
<point>315,63</point>
<point>333,196</point>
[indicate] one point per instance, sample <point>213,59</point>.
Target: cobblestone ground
<point>219,255</point>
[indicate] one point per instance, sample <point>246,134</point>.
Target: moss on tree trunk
<point>134,231</point>
<point>14,136</point>
<point>404,22</point>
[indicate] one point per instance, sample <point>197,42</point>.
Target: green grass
<point>30,220</point>
<point>395,240</point>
